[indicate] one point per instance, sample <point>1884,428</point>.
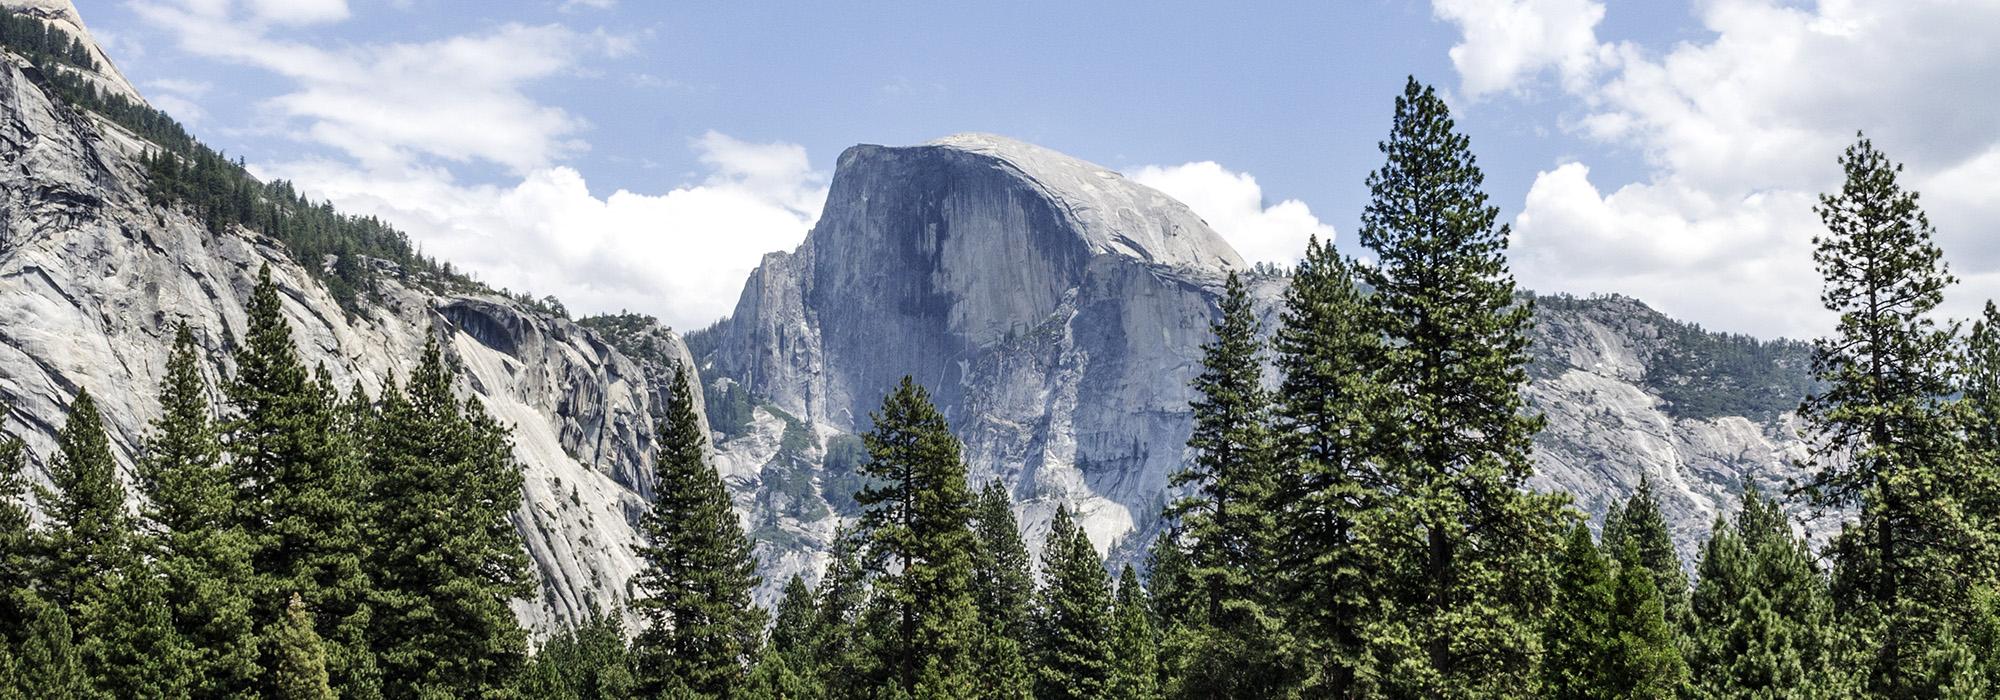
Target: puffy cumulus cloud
<point>1233,204</point>
<point>1506,42</point>
<point>390,105</point>
<point>1741,130</point>
<point>681,255</point>
<point>1731,264</point>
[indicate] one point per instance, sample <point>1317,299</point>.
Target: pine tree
<point>1642,530</point>
<point>20,548</point>
<point>1073,624</point>
<point>701,629</point>
<point>300,493</point>
<point>1978,416</point>
<point>1002,587</point>
<point>447,560</point>
<point>791,627</point>
<point>774,677</point>
<point>90,534</point>
<point>1135,666</point>
<point>1645,663</point>
<point>50,664</point>
<point>1227,519</point>
<point>1759,615</point>
<point>190,531</point>
<point>299,658</point>
<point>1461,543</point>
<point>1326,351</point>
<point>1173,600</point>
<point>585,662</point>
<point>1880,429</point>
<point>920,544</point>
<point>837,658</point>
<point>1577,631</point>
<point>129,640</point>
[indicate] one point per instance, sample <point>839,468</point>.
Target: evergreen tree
<point>130,643</point>
<point>1326,351</point>
<point>1002,587</point>
<point>837,658</point>
<point>1645,663</point>
<point>50,665</point>
<point>1227,520</point>
<point>1759,615</point>
<point>90,534</point>
<point>776,678</point>
<point>585,662</point>
<point>1642,530</point>
<point>299,671</point>
<point>1073,622</point>
<point>1577,631</point>
<point>1174,601</point>
<point>702,630</point>
<point>1135,667</point>
<point>300,494</point>
<point>447,560</point>
<point>19,546</point>
<point>791,627</point>
<point>1880,432</point>
<point>1461,544</point>
<point>916,522</point>
<point>190,531</point>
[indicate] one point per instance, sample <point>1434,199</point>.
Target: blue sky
<point>625,154</point>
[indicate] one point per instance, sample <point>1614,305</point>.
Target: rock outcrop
<point>93,278</point>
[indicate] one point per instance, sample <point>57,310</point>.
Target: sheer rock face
<point>1053,308</point>
<point>1056,312</point>
<point>93,279</point>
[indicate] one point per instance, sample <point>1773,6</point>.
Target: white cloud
<point>1506,42</point>
<point>681,256</point>
<point>299,12</point>
<point>1233,204</point>
<point>1741,131</point>
<point>461,98</point>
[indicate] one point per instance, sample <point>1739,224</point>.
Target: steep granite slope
<point>1056,310</point>
<point>93,277</point>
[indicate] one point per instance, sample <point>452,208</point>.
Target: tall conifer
<point>701,629</point>
<point>1073,622</point>
<point>1461,543</point>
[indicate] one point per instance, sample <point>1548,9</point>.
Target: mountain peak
<point>63,15</point>
<point>1113,213</point>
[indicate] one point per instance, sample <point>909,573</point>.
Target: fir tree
<point>1227,520</point>
<point>300,493</point>
<point>693,590</point>
<point>1460,542</point>
<point>1645,663</point>
<point>130,643</point>
<point>920,544</point>
<point>203,557</point>
<point>1002,587</point>
<point>448,560</point>
<point>1326,351</point>
<point>50,665</point>
<point>1759,616</point>
<point>791,627</point>
<point>1073,622</point>
<point>299,671</point>
<point>1577,631</point>
<point>585,662</point>
<point>90,534</point>
<point>1879,427</point>
<point>835,649</point>
<point>1135,667</point>
<point>19,546</point>
<point>1642,530</point>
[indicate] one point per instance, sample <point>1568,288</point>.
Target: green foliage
<point>1645,662</point>
<point>585,662</point>
<point>1577,630</point>
<point>301,492</point>
<point>1073,618</point>
<point>693,589</point>
<point>90,535</point>
<point>1461,544</point>
<point>1002,584</point>
<point>1327,353</point>
<point>1761,623</point>
<point>42,43</point>
<point>1881,429</point>
<point>49,663</point>
<point>841,475</point>
<point>1135,664</point>
<point>299,668</point>
<point>1641,531</point>
<point>916,522</point>
<point>1710,375</point>
<point>446,559</point>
